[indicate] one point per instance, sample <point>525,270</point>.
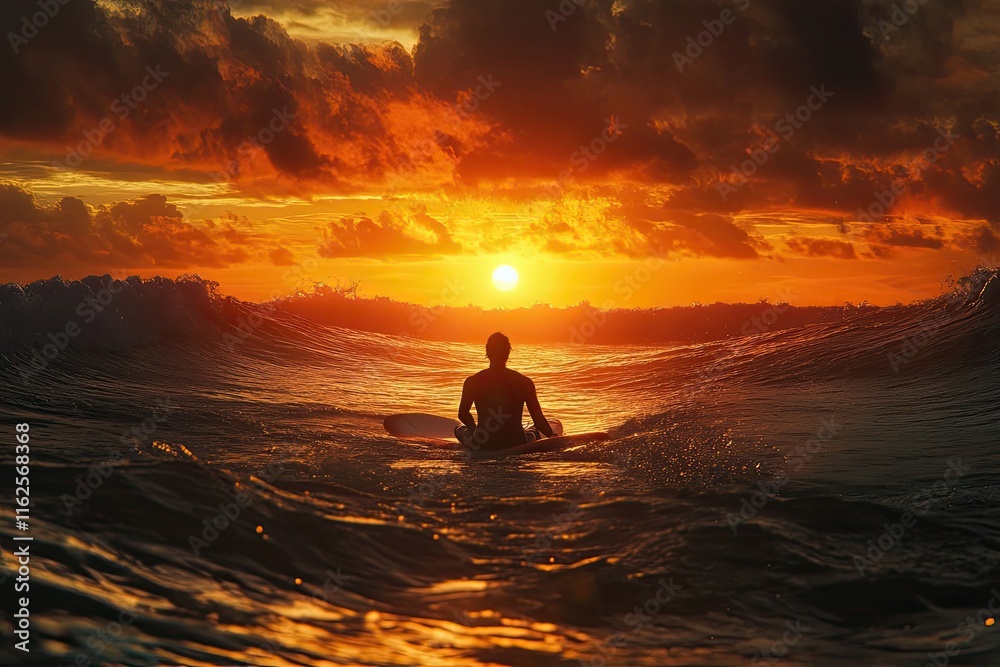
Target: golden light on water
<point>505,278</point>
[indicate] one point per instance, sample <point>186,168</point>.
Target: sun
<point>505,278</point>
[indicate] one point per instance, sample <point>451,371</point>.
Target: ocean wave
<point>50,316</point>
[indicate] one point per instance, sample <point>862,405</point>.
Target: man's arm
<point>465,406</point>
<point>535,410</point>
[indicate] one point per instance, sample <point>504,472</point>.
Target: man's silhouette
<point>500,395</point>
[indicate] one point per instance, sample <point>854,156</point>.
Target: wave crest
<point>106,313</point>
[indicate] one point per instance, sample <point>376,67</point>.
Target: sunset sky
<point>414,146</point>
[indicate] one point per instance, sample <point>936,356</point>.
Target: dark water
<point>824,495</point>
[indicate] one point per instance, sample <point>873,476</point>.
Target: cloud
<point>148,231</point>
<point>687,129</point>
<point>819,247</point>
<point>984,240</point>
<point>282,256</point>
<point>379,118</point>
<point>661,230</point>
<point>706,235</point>
<point>914,237</point>
<point>637,230</point>
<point>351,113</point>
<point>391,234</point>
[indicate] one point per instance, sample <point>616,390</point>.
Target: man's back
<point>499,395</point>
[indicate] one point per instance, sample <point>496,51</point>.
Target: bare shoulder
<point>520,378</point>
<point>475,379</point>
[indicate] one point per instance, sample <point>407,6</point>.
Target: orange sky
<point>279,145</point>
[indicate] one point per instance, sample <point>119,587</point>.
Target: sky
<point>630,153</point>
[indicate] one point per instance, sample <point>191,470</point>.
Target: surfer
<point>500,395</point>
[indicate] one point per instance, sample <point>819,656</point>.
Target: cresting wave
<point>103,312</point>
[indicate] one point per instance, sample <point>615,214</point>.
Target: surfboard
<point>418,425</point>
<point>557,443</point>
<point>440,432</point>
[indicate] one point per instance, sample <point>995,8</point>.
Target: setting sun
<point>505,278</point>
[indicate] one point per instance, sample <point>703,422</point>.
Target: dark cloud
<point>240,99</point>
<point>392,234</point>
<point>984,240</point>
<point>558,88</point>
<point>639,231</point>
<point>149,231</point>
<point>705,235</point>
<point>817,247</point>
<point>666,231</point>
<point>688,128</point>
<point>376,118</point>
<point>915,237</point>
<point>282,256</point>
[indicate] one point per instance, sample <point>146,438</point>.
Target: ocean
<point>210,484</point>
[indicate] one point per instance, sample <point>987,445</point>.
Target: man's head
<point>498,348</point>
